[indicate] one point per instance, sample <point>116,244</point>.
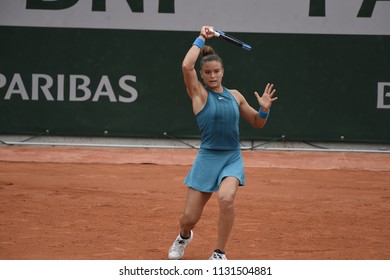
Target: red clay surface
<point>100,203</point>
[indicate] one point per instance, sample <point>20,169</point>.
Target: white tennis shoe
<point>177,249</point>
<point>218,256</point>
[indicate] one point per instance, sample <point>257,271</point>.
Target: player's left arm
<point>265,101</point>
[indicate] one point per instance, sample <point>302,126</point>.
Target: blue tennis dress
<point>219,155</point>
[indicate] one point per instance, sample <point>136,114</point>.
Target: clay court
<point>124,204</point>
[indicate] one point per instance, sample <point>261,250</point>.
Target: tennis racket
<point>230,39</point>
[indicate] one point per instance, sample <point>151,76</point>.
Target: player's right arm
<point>195,89</point>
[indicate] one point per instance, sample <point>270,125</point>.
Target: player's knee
<point>226,202</point>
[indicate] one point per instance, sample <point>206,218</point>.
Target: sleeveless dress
<point>219,155</point>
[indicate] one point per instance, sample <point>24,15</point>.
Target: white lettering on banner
<point>361,17</point>
<point>133,92</point>
<point>104,84</point>
<point>16,87</point>
<point>44,88</point>
<point>3,80</point>
<point>60,87</point>
<point>80,89</point>
<point>383,94</point>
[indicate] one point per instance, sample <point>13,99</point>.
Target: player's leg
<point>193,209</point>
<point>226,194</point>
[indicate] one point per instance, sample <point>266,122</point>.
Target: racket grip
<point>216,32</point>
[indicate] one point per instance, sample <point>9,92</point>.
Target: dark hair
<point>207,54</point>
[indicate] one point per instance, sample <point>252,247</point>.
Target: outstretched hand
<point>266,100</point>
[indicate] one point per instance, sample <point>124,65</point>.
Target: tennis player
<point>218,167</point>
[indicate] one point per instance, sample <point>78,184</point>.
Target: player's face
<point>212,73</point>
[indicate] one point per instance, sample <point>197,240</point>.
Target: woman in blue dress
<point>218,167</point>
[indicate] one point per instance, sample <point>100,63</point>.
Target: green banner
<point>95,82</point>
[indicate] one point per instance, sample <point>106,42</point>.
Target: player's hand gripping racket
<point>229,38</point>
